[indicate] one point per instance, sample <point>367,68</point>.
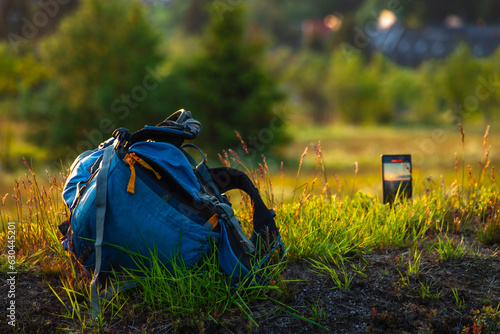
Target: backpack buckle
<point>210,201</point>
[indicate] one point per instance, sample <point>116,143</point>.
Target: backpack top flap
<point>171,160</point>
<point>175,129</point>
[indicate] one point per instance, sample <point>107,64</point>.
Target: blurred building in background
<point>410,47</point>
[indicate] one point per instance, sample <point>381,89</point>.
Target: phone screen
<point>396,177</point>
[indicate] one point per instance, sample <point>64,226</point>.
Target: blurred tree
<point>20,71</point>
<point>355,88</point>
<point>404,92</point>
<point>429,105</point>
<point>457,80</point>
<point>275,19</point>
<point>11,13</point>
<point>8,88</point>
<point>8,79</point>
<point>102,62</point>
<point>189,16</point>
<point>488,10</point>
<point>307,76</point>
<point>233,90</point>
<point>196,16</point>
<point>489,80</point>
<point>23,20</point>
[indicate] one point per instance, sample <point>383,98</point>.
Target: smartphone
<point>396,177</point>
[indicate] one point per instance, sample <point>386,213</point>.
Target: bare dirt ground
<point>381,299</point>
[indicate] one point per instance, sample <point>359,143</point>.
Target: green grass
<point>323,219</point>
<point>184,297</point>
<point>459,301</point>
<point>200,293</point>
<point>425,291</point>
<point>448,249</point>
<point>340,277</point>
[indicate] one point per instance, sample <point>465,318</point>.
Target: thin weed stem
<point>463,154</point>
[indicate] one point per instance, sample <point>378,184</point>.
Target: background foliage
<point>95,66</point>
<point>90,67</point>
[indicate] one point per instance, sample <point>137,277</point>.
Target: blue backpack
<point>143,192</point>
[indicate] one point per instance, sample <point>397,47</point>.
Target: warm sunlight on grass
<point>324,219</point>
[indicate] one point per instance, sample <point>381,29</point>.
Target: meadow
<point>353,264</point>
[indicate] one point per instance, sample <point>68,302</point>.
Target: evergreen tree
<point>232,89</point>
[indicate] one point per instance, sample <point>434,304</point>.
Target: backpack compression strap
<point>214,199</point>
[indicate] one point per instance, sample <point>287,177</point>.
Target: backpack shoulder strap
<point>226,178</point>
<point>265,236</point>
<point>101,195</point>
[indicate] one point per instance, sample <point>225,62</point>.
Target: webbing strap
<point>132,158</point>
<point>117,288</point>
<point>202,170</point>
<point>212,222</point>
<point>101,193</point>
